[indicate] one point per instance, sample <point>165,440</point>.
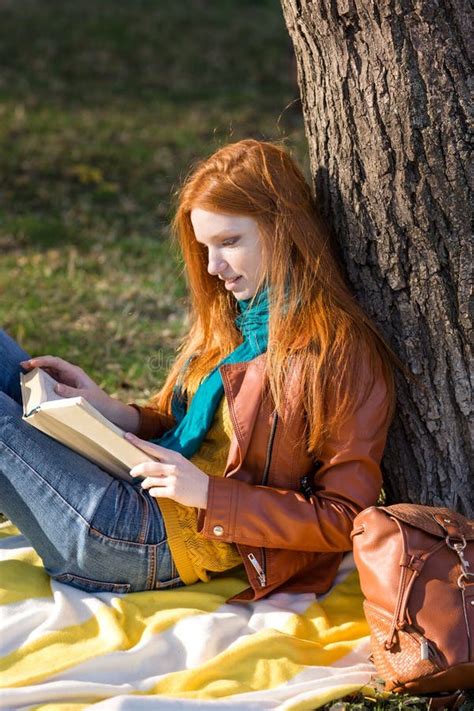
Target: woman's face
<point>235,250</point>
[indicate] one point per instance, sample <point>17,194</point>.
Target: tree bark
<point>384,89</point>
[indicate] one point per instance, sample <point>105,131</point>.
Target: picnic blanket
<point>177,649</point>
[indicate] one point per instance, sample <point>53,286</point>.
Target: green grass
<point>393,702</point>
<point>103,109</point>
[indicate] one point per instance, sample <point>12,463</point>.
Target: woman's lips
<point>231,283</point>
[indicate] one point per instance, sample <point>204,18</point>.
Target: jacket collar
<point>243,385</point>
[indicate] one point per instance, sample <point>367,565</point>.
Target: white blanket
<point>65,649</point>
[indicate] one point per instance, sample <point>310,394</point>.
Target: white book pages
<point>77,424</point>
<point>37,386</point>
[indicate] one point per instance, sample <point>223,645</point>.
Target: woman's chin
<point>243,294</point>
<point>239,293</point>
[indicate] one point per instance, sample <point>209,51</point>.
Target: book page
<point>75,422</point>
<point>79,443</point>
<point>78,424</point>
<point>37,387</point>
<point>47,386</point>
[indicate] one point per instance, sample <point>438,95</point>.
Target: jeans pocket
<point>122,514</point>
<point>92,586</point>
<point>173,583</point>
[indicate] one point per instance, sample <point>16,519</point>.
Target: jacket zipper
<point>260,569</point>
<point>271,439</point>
<point>260,572</point>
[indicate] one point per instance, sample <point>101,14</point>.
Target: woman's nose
<point>215,264</point>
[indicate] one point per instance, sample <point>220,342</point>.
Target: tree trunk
<point>384,88</point>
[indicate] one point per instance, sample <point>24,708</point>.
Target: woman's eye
<point>230,242</point>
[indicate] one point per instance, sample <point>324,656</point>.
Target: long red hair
<point>312,312</point>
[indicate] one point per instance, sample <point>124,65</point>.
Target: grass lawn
<point>104,106</point>
<point>103,109</point>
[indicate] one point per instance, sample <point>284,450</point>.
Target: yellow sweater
<point>193,555</point>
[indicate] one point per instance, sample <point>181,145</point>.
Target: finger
<point>58,368</point>
<point>160,493</point>
<point>150,468</point>
<point>152,481</point>
<point>42,362</point>
<point>155,450</point>
<point>67,391</point>
<point>52,363</point>
<point>37,363</point>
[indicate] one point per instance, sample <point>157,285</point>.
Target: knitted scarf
<point>193,423</point>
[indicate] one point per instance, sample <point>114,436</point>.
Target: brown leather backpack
<point>416,568</point>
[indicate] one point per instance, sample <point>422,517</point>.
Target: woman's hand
<point>173,477</point>
<point>74,382</point>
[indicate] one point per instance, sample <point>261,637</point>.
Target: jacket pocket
<point>90,585</point>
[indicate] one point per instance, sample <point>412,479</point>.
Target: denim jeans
<point>93,531</point>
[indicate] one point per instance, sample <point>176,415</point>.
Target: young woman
<point>268,432</point>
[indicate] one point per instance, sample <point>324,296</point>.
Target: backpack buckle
<point>458,547</point>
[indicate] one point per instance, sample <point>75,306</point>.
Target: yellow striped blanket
<point>171,650</point>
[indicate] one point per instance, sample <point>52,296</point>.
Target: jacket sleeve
<point>152,423</point>
<point>348,481</point>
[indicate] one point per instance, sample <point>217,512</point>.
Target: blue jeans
<point>93,531</point>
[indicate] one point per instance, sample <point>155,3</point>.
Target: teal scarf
<point>192,425</point>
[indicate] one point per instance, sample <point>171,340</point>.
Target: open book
<point>76,423</point>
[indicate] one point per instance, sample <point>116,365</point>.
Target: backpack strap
<point>411,565</point>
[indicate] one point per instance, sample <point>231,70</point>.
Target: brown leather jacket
<point>288,540</point>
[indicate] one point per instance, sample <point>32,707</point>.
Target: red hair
<point>313,314</point>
